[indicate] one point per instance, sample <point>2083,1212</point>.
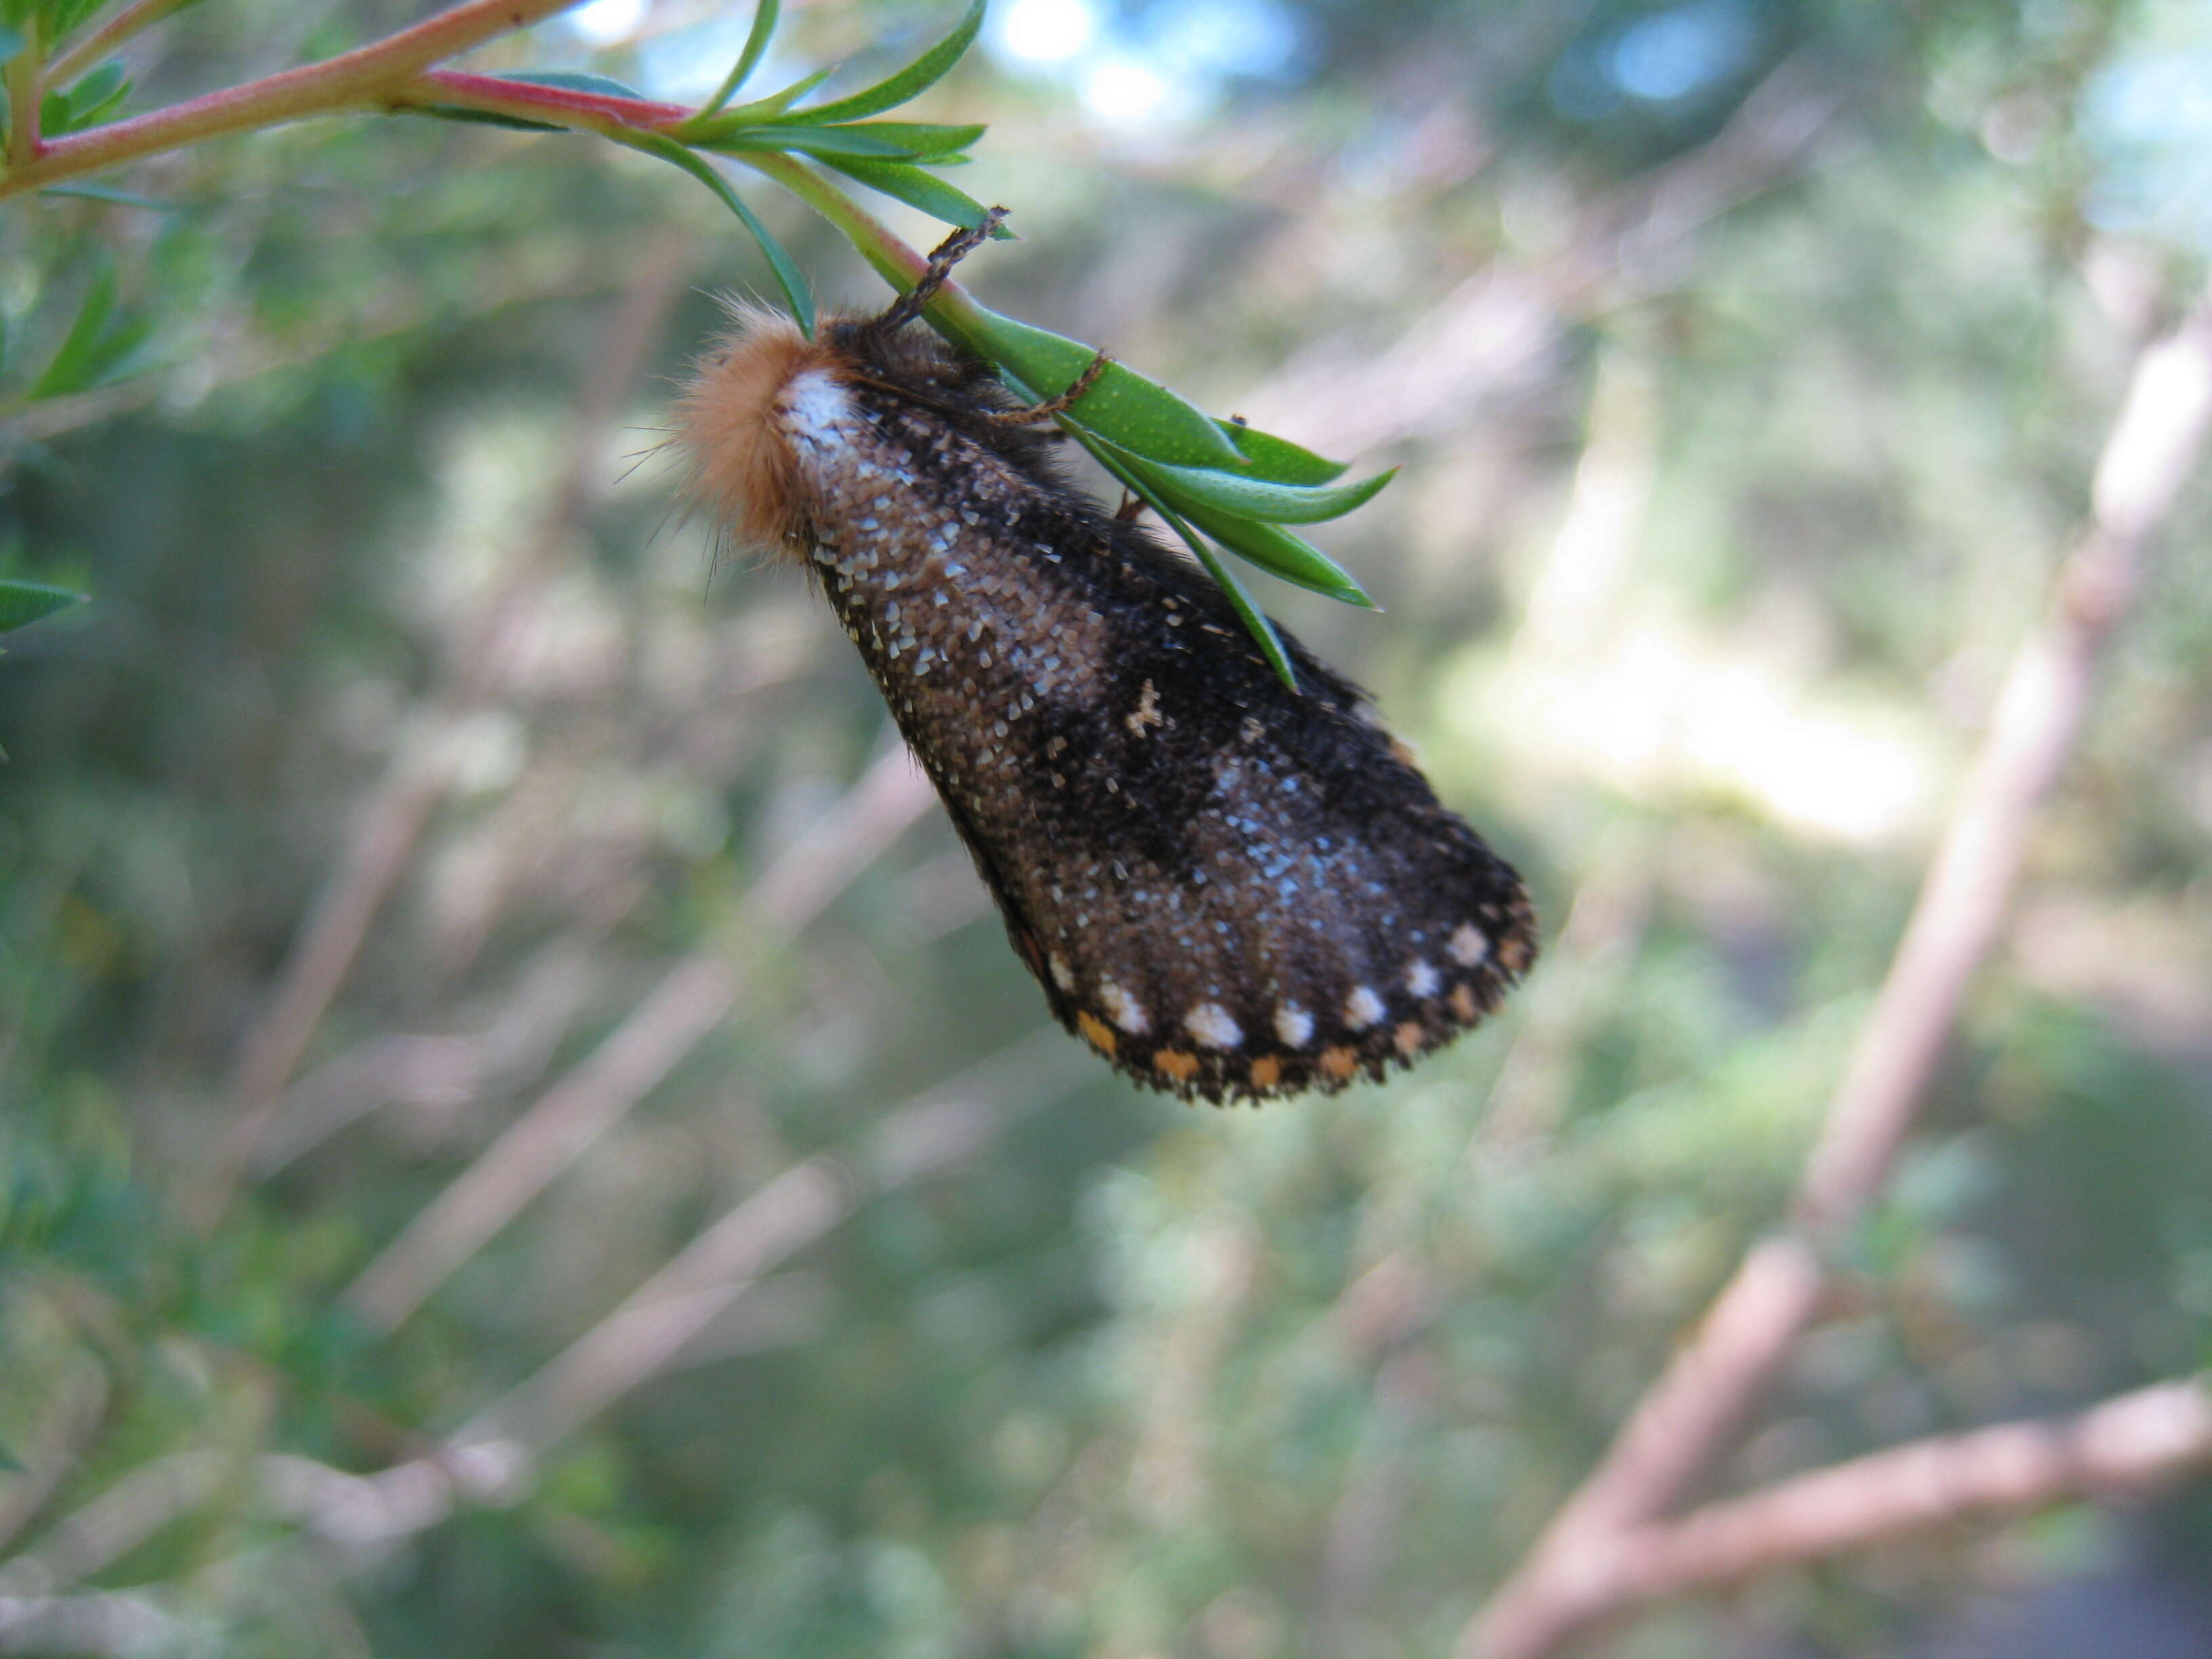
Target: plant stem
<point>139,15</point>
<point>361,79</point>
<point>23,77</point>
<point>893,260</point>
<point>589,111</point>
<point>952,310</point>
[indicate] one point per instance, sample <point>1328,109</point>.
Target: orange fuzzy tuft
<point>743,464</point>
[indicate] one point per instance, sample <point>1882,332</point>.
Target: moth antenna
<point>1054,405</point>
<point>949,252</point>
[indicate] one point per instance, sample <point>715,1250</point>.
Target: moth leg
<point>949,252</point>
<point>1053,405</point>
<point>1130,511</point>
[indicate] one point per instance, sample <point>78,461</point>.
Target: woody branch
<point>1581,1569</point>
<point>392,73</point>
<point>2133,1442</point>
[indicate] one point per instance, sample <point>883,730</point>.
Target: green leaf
<point>11,42</point>
<point>812,141</point>
<point>75,361</point>
<point>575,80</point>
<point>22,603</point>
<point>100,192</point>
<point>485,118</point>
<point>1279,552</point>
<point>566,80</point>
<point>1277,459</point>
<point>1122,407</point>
<point>904,182</point>
<point>787,275</point>
<point>90,99</point>
<point>1256,622</point>
<point>62,15</point>
<point>924,72</point>
<point>764,19</point>
<point>1240,496</point>
<point>745,115</point>
<point>926,139</point>
<point>889,141</point>
<point>112,356</point>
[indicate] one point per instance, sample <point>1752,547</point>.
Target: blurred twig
<point>112,1525</point>
<point>1572,1578</point>
<point>2147,1438</point>
<point>690,999</point>
<point>650,1332</point>
<point>1495,334</point>
<point>505,1052</point>
<point>239,355</point>
<point>96,1622</point>
<point>646,1333</point>
<point>393,820</point>
<point>78,1410</point>
<point>361,79</point>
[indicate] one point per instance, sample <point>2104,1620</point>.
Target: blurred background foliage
<point>1747,360</point>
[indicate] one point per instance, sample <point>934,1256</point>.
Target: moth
<point>1228,889</point>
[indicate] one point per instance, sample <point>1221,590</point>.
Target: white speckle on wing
<point>1211,1024</point>
<point>1124,1010</point>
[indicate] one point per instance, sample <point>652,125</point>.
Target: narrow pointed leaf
<point>1279,553</point>
<point>887,141</point>
<point>813,141</point>
<point>927,139</point>
<point>1255,620</point>
<point>1244,496</point>
<point>1280,461</point>
<point>95,85</point>
<point>91,98</point>
<point>105,108</point>
<point>113,353</point>
<point>74,360</point>
<point>787,275</point>
<point>99,192</point>
<point>757,40</point>
<point>906,183</point>
<point>22,603</point>
<point>575,81</point>
<point>889,94</point>
<point>1122,407</point>
<point>60,15</point>
<point>482,118</point>
<point>761,109</point>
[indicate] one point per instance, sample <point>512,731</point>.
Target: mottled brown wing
<point>1228,889</point>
